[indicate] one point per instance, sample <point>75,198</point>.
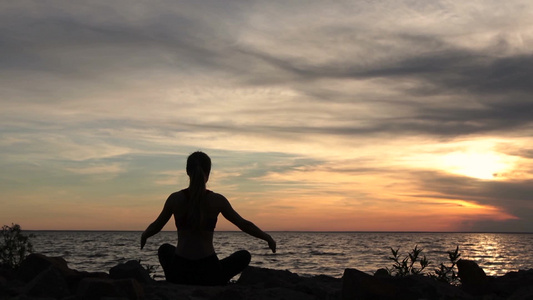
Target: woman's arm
<point>250,228</point>
<point>160,222</point>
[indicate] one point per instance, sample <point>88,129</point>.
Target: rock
<point>7,273</point>
<point>36,263</point>
<point>269,277</point>
<point>281,293</point>
<point>321,286</point>
<point>357,285</point>
<point>254,283</point>
<point>52,279</point>
<point>131,287</point>
<point>361,286</point>
<point>473,278</point>
<point>10,287</point>
<point>513,285</point>
<point>524,293</point>
<point>97,288</point>
<point>167,290</point>
<point>270,281</point>
<point>130,269</point>
<point>230,293</point>
<point>49,283</point>
<point>382,273</point>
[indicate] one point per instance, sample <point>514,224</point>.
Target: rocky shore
<point>42,277</point>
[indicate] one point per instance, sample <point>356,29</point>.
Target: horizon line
<point>303,231</point>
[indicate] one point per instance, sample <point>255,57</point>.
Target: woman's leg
<point>234,264</point>
<point>166,254</point>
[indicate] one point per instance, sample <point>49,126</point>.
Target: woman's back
<point>195,243</point>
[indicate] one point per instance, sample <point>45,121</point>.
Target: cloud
<point>290,97</point>
<point>514,196</point>
<point>86,54</point>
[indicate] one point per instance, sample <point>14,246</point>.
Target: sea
<point>304,253</point>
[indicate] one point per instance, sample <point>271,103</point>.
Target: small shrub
<point>406,266</point>
<point>14,246</point>
<point>445,273</point>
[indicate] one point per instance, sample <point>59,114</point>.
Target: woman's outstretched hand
<point>143,240</point>
<point>272,244</point>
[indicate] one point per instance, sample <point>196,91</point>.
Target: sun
<point>481,165</point>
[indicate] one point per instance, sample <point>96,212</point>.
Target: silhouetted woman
<point>195,211</point>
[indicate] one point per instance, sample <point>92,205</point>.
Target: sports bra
<point>182,223</point>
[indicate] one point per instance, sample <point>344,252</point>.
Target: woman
<point>195,211</point>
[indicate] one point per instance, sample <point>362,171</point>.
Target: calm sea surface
<point>304,253</point>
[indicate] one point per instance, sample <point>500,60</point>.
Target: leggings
<point>205,271</point>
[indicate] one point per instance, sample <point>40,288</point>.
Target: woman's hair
<point>198,168</point>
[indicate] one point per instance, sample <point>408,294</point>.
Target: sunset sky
<point>318,115</point>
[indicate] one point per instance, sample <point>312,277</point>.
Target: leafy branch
<point>406,266</point>
<point>445,273</point>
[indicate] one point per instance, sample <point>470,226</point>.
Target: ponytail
<point>198,168</point>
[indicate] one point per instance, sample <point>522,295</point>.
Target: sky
<point>318,115</point>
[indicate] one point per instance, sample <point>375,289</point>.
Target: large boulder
<point>36,263</point>
<point>473,278</point>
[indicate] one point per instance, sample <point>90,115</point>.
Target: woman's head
<point>198,168</point>
<point>198,163</point>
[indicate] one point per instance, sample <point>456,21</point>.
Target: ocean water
<point>304,253</point>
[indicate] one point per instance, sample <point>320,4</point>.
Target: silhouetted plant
<point>445,273</point>
<point>406,266</point>
<point>14,246</point>
<point>152,269</point>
